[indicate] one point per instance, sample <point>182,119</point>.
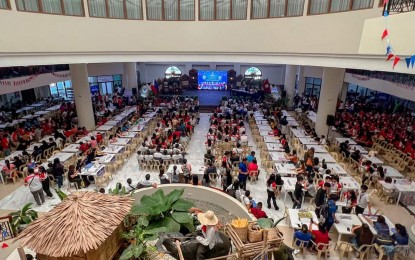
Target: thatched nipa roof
<point>78,224</point>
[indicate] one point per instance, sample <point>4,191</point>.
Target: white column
<point>130,73</point>
<point>301,79</point>
<point>343,92</point>
<point>331,85</point>
<point>289,83</point>
<point>82,95</point>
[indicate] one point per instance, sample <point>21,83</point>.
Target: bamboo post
<point>22,254</point>
<point>264,244</point>
<point>179,250</point>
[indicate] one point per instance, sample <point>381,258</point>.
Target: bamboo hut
<point>86,225</point>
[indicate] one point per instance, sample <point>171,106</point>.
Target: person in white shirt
<point>140,156</point>
<point>35,186</point>
<point>210,237</point>
<point>244,138</point>
<point>147,182</point>
<point>157,155</point>
<point>363,201</point>
<point>177,156</point>
<point>165,156</point>
<point>148,156</point>
<point>245,199</point>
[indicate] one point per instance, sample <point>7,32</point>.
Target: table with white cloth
<point>274,147</point>
<point>42,113</point>
<point>95,170</point>
<point>29,116</point>
<point>105,159</point>
<point>402,187</point>
<point>285,113</point>
<point>298,132</point>
<point>266,133</point>
<point>105,128</point>
<point>392,172</point>
<point>336,169</point>
<point>86,139</point>
<point>150,115</point>
<point>32,147</point>
<point>325,156</point>
<point>118,118</point>
<point>13,154</point>
<point>296,222</point>
<point>278,157</point>
<point>72,148</point>
<point>63,157</point>
<point>340,140</point>
<point>38,105</point>
<point>262,121</point>
<point>113,122</point>
<point>24,109</point>
<point>307,141</point>
<point>54,108</point>
<point>122,141</point>
<point>128,134</point>
<point>354,147</point>
<point>285,169</point>
<point>264,128</point>
<point>114,149</point>
<point>374,218</point>
<point>292,123</point>
<point>348,183</point>
<point>271,139</point>
<point>137,128</point>
<point>373,159</point>
<point>317,148</point>
<point>345,225</point>
<point>289,185</point>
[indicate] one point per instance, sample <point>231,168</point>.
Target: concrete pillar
<point>343,92</point>
<point>82,95</point>
<point>301,80</point>
<point>130,73</point>
<point>289,83</point>
<point>331,85</point>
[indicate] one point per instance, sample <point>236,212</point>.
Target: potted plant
<point>23,217</point>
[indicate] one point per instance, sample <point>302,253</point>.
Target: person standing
<point>58,171</point>
<point>298,193</point>
<point>35,186</point>
<point>331,216</point>
<point>45,181</point>
<point>363,201</point>
<point>271,190</point>
<point>320,198</point>
<point>187,170</point>
<point>243,173</point>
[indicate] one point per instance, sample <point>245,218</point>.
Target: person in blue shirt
<point>400,236</point>
<point>243,173</point>
<point>250,157</point>
<point>331,216</point>
<point>303,235</point>
<point>381,227</point>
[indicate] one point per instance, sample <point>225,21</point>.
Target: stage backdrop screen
<point>212,79</point>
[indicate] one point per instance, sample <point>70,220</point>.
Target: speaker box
<point>330,120</point>
<point>134,91</point>
<point>283,93</point>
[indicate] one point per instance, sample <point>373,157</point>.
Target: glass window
<point>260,9</point>
<point>319,6</point>
<point>187,10</point>
<point>4,4</point>
<point>276,8</point>
<point>73,7</point>
<point>53,90</point>
<point>154,10</point>
<point>92,79</point>
<point>362,4</point>
<point>28,5</point>
<point>222,10</point>
<point>115,9</point>
<point>313,86</point>
<point>206,10</point>
<point>295,8</point>
<point>239,9</point>
<point>116,77</point>
<point>134,9</point>
<point>340,5</point>
<point>52,6</point>
<point>172,71</point>
<point>97,8</point>
<point>171,10</point>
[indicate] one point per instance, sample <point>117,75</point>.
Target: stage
<point>208,97</point>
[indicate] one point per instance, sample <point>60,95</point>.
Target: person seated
<point>146,183</point>
<point>253,167</point>
<point>93,142</point>
<point>344,148</point>
<point>177,156</point>
<point>350,198</point>
<point>258,212</point>
<point>292,157</point>
<point>164,179</point>
<point>400,236</point>
<point>335,185</point>
<point>321,235</point>
<point>303,234</point>
<point>83,147</point>
<point>251,157</point>
<point>158,155</point>
<point>235,157</point>
<point>165,156</point>
<point>363,235</point>
<point>129,187</point>
<point>52,143</point>
<point>238,149</point>
<point>245,199</point>
<point>311,189</point>
<point>356,156</point>
<point>73,176</point>
<point>301,169</point>
<point>209,156</point>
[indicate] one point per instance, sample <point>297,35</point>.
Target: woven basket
<point>273,233</point>
<point>254,235</point>
<point>242,233</point>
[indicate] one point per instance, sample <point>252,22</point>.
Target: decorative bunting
<point>385,33</point>
<point>388,50</point>
<point>385,2</point>
<point>390,56</point>
<point>395,61</point>
<point>412,61</point>
<point>408,61</point>
<point>4,245</point>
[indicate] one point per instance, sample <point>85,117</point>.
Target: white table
<point>392,172</point>
<point>298,132</point>
<point>137,128</point>
<point>119,118</point>
<point>54,108</point>
<point>112,123</point>
<point>348,183</point>
<point>363,217</point>
<point>296,222</point>
<point>340,140</point>
<point>63,157</point>
<point>265,133</point>
<point>373,159</point>
<point>40,113</point>
<point>317,148</point>
<point>114,149</point>
<point>105,128</point>
<point>337,169</point>
<point>401,186</point>
<point>85,139</point>
<point>122,141</point>
<point>346,222</point>
<point>128,134</point>
<point>278,157</point>
<point>273,147</point>
<point>292,123</point>
<point>32,147</point>
<point>105,159</point>
<point>325,156</point>
<point>358,147</point>
<point>95,170</point>
<point>285,169</point>
<point>271,139</point>
<point>312,116</point>
<point>289,185</point>
<point>12,155</point>
<point>72,148</point>
<point>307,141</point>
<point>264,128</point>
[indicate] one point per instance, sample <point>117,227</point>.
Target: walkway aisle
<point>196,148</point>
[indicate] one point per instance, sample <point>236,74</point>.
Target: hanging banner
<point>65,75</point>
<point>17,82</point>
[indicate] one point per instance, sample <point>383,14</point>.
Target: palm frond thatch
<point>78,224</point>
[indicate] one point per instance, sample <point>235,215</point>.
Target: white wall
<point>313,72</point>
<point>405,92</point>
<point>102,69</point>
<point>151,71</point>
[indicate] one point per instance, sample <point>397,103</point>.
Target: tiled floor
<point>14,197</point>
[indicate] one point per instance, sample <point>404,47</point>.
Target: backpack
<point>324,212</point>
<point>186,171</point>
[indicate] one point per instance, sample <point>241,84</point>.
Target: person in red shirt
<point>98,137</point>
<point>321,235</point>
<point>83,147</point>
<point>5,144</point>
<point>258,212</point>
